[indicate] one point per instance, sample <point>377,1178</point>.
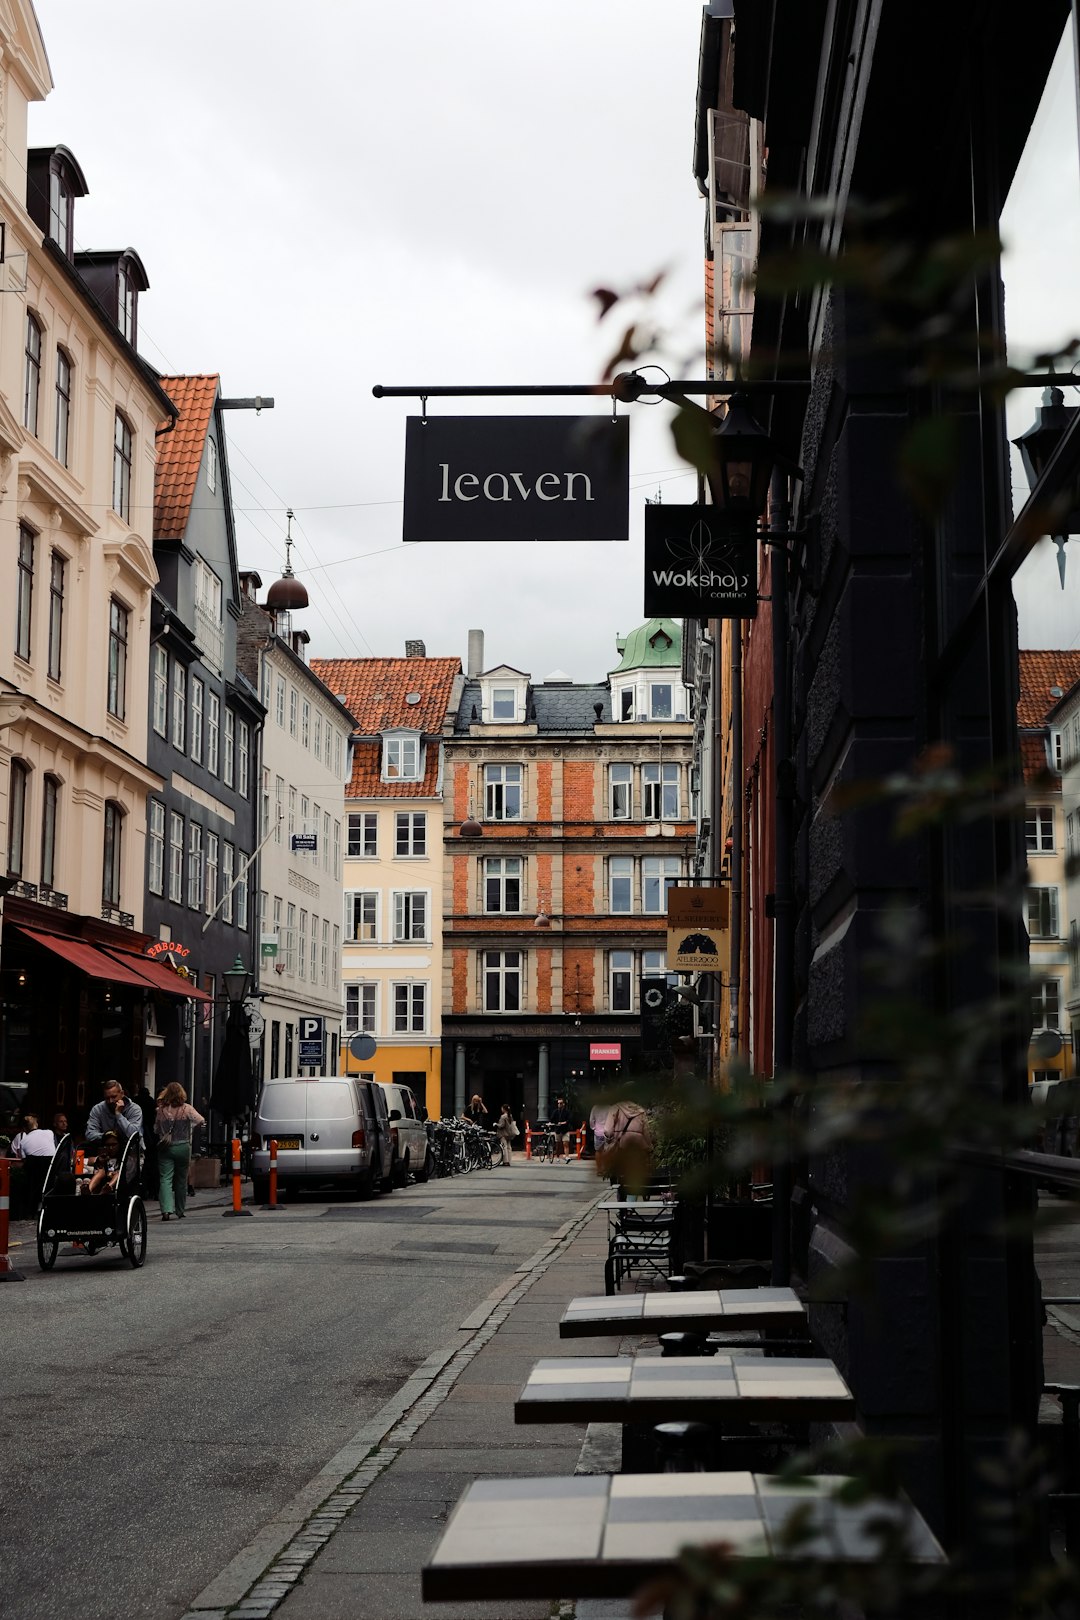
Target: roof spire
<point>287,592</point>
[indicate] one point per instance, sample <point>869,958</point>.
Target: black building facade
<point>204,731</point>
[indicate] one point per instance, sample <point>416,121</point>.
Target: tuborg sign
<point>517,478</point>
<point>699,564</point>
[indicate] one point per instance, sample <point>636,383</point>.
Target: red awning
<point>157,974</point>
<point>87,958</point>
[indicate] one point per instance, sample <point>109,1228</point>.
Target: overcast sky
<point>332,195</point>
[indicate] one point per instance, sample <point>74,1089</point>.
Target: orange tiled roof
<point>1039,672</point>
<point>180,453</point>
<point>375,691</point>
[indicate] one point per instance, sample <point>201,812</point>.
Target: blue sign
<point>311,1043</point>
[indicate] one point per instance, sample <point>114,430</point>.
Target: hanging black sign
<point>699,564</point>
<point>517,478</point>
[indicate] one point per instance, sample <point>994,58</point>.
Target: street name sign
<point>517,478</point>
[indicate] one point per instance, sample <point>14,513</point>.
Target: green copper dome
<point>656,645</point>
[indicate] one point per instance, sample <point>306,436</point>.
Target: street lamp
<point>236,984</point>
<point>742,462</point>
<point>1037,447</point>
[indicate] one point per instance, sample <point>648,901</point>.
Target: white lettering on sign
<point>701,582</point>
<point>497,486</point>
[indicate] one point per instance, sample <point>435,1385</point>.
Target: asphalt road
<point>154,1420</point>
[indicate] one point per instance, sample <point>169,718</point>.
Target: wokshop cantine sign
<point>517,478</point>
<point>699,564</point>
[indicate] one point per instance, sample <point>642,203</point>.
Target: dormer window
<point>660,700</point>
<point>61,204</point>
<point>503,696</point>
<point>401,758</point>
<point>126,303</point>
<point>53,181</point>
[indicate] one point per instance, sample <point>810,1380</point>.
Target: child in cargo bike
<point>105,1168</point>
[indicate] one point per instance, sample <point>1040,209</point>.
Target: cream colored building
<point>305,762</point>
<point>393,932</point>
<point>78,414</point>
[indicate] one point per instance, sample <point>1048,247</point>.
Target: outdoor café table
<point>708,1389</point>
<point>601,1535</point>
<point>595,1315</point>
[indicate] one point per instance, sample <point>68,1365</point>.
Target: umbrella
<point>233,1093</point>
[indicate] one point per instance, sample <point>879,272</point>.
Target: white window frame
<point>656,687</point>
<point>178,733</point>
<point>1039,830</point>
<point>506,699</point>
<point>368,821</point>
<point>1046,1004</point>
<point>228,763</point>
<point>243,758</point>
<point>213,872</point>
<point>660,791</point>
<point>279,701</point>
<point>161,691</point>
<point>213,732</point>
<point>621,981</point>
<point>411,910</point>
<point>177,843</point>
<point>401,757</point>
<point>155,834</point>
<point>294,711</point>
<point>228,874</point>
<point>500,783</point>
<point>501,970</point>
<point>621,792</point>
<point>660,870</point>
<point>499,875</point>
<point>305,724</point>
<point>408,1006</point>
<point>361,1008</point>
<point>303,943</point>
<point>198,694</point>
<point>365,903</point>
<point>195,873</point>
<point>620,870</point>
<point>410,831</point>
<point>1043,911</point>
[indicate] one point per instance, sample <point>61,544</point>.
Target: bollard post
<point>8,1272</point>
<point>273,1204</point>
<point>237,1208</point>
<point>528,1140</point>
<point>580,1133</point>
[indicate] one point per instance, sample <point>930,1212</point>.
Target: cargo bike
<point>70,1213</point>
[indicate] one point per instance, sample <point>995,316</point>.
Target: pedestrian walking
<point>173,1126</point>
<point>35,1147</point>
<point>145,1100</point>
<point>560,1124</point>
<point>506,1130</point>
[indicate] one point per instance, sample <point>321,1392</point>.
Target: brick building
<point>568,816</point>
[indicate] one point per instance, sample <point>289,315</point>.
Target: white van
<point>327,1129</point>
<point>412,1153</point>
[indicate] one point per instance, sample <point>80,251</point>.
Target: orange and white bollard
<point>272,1147</point>
<point>528,1140</point>
<point>7,1270</point>
<point>580,1134</point>
<point>237,1208</point>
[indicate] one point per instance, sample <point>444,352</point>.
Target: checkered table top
<point>663,1312</point>
<point>651,1389</point>
<point>601,1535</point>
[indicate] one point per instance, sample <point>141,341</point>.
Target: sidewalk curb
<point>255,1581</point>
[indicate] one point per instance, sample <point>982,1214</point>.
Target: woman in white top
<point>35,1148</point>
<point>173,1126</point>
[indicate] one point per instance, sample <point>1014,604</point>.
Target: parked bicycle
<point>545,1143</point>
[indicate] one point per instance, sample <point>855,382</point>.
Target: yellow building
<point>393,874</point>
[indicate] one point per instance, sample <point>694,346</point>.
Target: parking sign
<point>311,1043</point>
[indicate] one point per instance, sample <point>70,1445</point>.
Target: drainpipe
<point>737,801</point>
<point>783,903</point>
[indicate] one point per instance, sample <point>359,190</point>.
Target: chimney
<point>415,649</point>
<point>476,653</point>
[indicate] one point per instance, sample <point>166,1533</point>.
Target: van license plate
<point>287,1142</point>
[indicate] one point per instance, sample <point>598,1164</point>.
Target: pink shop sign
<point>605,1051</point>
